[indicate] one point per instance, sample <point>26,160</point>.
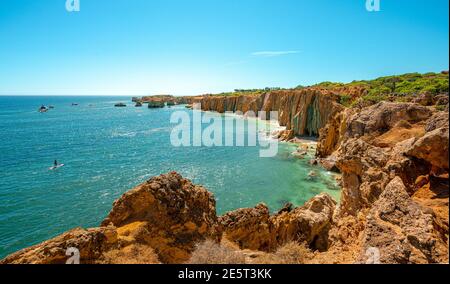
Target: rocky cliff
<point>255,229</point>
<point>162,99</point>
<point>303,112</point>
<point>394,163</point>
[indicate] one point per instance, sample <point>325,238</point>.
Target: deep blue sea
<point>108,151</point>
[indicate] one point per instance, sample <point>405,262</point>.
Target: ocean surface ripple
<point>107,151</point>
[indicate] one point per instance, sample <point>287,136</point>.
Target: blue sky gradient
<point>190,47</point>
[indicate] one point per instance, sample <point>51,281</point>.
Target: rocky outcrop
<point>385,153</point>
<point>308,224</point>
<point>161,101</point>
<point>402,231</point>
<point>91,244</point>
<point>332,134</point>
<point>156,104</point>
<point>167,214</point>
<point>383,117</point>
<point>433,146</point>
<point>394,122</point>
<point>177,215</point>
<point>170,100</point>
<point>304,112</point>
<point>255,229</point>
<point>378,144</point>
<point>249,228</point>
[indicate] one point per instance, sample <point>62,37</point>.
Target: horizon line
<point>206,93</point>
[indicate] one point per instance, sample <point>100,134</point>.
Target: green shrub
<point>441,107</point>
<point>401,88</point>
<point>345,100</point>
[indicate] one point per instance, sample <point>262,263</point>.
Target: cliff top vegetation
<point>399,88</point>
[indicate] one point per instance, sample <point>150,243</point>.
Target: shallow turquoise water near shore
<point>108,151</point>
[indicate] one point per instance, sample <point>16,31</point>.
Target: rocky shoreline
<point>394,203</point>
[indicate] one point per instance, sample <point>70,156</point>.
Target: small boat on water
<point>120,105</point>
<point>56,167</point>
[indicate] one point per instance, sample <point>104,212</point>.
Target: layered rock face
<point>387,154</point>
<point>388,140</point>
<point>402,230</point>
<point>303,112</point>
<point>432,146</point>
<point>371,122</point>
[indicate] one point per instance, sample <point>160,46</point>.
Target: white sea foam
<point>118,134</point>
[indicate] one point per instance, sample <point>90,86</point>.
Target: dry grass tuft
<point>210,252</point>
<point>290,253</point>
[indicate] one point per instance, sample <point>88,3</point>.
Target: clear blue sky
<point>189,47</point>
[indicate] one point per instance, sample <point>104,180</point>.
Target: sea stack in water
<point>156,104</point>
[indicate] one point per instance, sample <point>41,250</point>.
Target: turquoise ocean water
<point>108,151</point>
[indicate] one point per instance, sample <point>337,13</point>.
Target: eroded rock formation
<point>402,230</point>
<point>302,112</point>
<point>255,229</point>
<point>175,214</point>
<point>387,153</point>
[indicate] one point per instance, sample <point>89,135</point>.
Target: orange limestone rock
<point>255,229</point>
<point>160,220</point>
<point>176,215</point>
<point>304,112</point>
